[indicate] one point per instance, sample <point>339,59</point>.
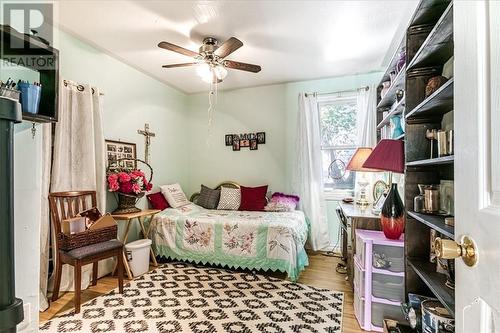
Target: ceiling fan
<point>210,60</point>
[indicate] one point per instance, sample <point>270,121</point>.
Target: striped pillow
<point>208,198</point>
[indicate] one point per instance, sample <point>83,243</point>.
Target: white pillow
<point>174,195</point>
<point>230,198</point>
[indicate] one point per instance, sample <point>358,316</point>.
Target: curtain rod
<point>337,92</point>
<point>79,87</point>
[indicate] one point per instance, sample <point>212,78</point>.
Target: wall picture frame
<point>261,138</point>
<point>236,145</point>
<point>116,151</point>
<point>229,139</point>
<point>254,144</point>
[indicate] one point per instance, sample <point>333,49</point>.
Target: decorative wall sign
<point>116,150</point>
<point>246,140</point>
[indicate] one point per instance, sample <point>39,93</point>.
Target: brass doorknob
<point>449,249</point>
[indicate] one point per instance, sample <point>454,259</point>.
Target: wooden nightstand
<point>141,217</point>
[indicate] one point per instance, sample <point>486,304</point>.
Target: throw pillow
<point>208,198</point>
<point>230,198</point>
<point>174,195</point>
<point>157,201</point>
<point>253,198</point>
<point>281,202</point>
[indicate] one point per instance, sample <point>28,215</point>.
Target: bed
<point>236,239</point>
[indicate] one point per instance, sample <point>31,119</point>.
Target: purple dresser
<point>378,279</point>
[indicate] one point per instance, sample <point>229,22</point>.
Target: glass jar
<point>419,200</point>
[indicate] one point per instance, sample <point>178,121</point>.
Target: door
<point>477,162</point>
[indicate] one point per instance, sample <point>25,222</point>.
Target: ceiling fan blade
<point>228,47</point>
<point>178,49</point>
<point>242,66</point>
<point>180,65</point>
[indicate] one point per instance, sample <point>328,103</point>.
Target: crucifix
<point>148,135</point>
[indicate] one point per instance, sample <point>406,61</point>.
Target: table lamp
<point>356,164</point>
<point>388,155</point>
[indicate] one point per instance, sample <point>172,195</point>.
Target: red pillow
<point>253,198</point>
<point>158,201</point>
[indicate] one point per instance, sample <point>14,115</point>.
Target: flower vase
<point>392,217</point>
<point>126,203</point>
<point>398,130</point>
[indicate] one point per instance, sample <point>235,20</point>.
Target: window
<point>338,142</point>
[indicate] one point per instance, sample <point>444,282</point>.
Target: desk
<point>357,217</point>
<point>141,217</point>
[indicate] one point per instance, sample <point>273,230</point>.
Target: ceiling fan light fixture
<point>204,71</point>
<point>220,72</point>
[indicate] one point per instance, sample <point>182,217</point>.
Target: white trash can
<point>138,256</point>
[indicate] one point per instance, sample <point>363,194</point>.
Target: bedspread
<point>237,239</point>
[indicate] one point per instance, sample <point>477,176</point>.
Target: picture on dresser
<point>118,152</point>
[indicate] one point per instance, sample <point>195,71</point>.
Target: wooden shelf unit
<point>48,77</point>
<point>423,113</point>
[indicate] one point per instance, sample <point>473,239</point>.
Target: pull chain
<point>33,131</point>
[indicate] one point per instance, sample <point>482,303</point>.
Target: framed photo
<point>229,139</point>
<point>261,138</point>
<point>245,143</point>
<point>254,145</point>
<point>116,150</point>
<point>236,145</point>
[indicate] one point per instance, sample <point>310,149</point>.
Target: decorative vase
<point>398,131</point>
<point>385,88</point>
<point>126,203</point>
<point>392,217</point>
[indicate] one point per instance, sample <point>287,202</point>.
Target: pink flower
<point>136,188</point>
<point>126,187</point>
<point>137,174</point>
<point>123,177</point>
<point>112,177</point>
<point>113,186</point>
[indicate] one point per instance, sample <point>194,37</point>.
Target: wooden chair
<point>64,205</point>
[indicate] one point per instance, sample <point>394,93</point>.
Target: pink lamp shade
<point>357,160</point>
<point>388,155</point>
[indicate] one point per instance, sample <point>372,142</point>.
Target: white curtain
<point>308,183</point>
<point>45,220</point>
<point>79,158</point>
<point>367,131</point>
<point>367,117</point>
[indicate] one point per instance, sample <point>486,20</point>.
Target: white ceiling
<point>291,40</point>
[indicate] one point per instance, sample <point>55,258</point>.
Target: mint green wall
<point>272,109</point>
<point>259,109</point>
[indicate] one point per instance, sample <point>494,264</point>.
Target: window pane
<point>338,123</point>
<point>335,176</point>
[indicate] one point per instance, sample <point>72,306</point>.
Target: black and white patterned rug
<point>179,297</point>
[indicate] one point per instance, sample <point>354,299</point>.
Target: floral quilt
<point>238,239</point>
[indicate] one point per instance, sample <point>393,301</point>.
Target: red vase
<point>392,217</point>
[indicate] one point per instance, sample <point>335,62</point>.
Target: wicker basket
<point>88,237</point>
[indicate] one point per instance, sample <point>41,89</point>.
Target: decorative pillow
<point>230,198</point>
<point>174,195</point>
<point>157,201</point>
<point>208,198</point>
<point>281,202</point>
<point>253,198</point>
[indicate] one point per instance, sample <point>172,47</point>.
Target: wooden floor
<point>320,273</point>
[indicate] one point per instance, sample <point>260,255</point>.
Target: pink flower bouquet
<point>128,182</point>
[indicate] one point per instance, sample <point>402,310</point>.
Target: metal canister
<point>435,317</point>
<point>432,199</point>
<point>442,142</point>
